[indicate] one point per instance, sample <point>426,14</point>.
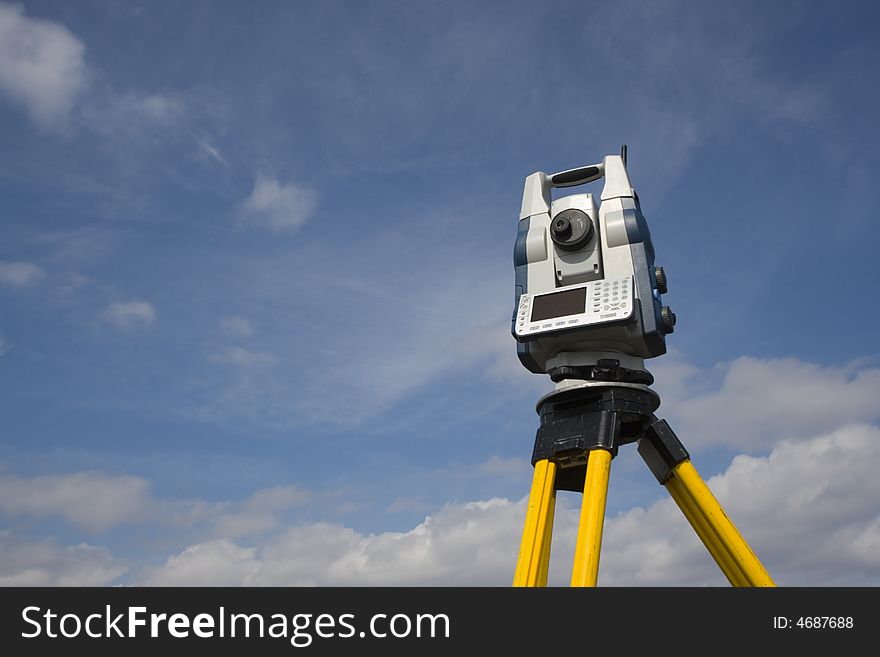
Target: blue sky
<point>256,276</point>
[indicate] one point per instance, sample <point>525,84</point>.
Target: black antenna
<point>623,154</point>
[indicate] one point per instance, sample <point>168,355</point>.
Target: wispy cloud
<point>408,504</point>
<point>75,247</point>
<point>402,341</point>
<point>212,152</point>
<point>236,326</point>
<point>73,283</point>
<point>20,274</point>
<point>127,315</point>
<point>278,206</point>
<point>155,106</point>
<point>496,467</point>
<point>242,357</point>
<point>41,66</point>
<point>133,114</point>
<point>258,513</point>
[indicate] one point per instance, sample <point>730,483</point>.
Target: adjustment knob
<point>668,318</point>
<point>660,277</point>
<point>562,228</point>
<point>571,229</point>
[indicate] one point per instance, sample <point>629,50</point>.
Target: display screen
<point>559,304</point>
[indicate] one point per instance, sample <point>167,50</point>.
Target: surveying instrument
<point>588,313</point>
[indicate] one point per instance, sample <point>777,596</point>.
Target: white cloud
<point>216,563</point>
<point>126,315</point>
<point>20,274</point>
<point>751,403</point>
<point>808,510</point>
<point>462,544</point>
<point>278,206</point>
<point>42,563</point>
<point>236,326</point>
<point>41,66</point>
<point>91,500</point>
<point>95,502</point>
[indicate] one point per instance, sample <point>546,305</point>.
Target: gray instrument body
<point>601,297</point>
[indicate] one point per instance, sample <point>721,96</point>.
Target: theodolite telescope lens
<point>562,227</point>
<point>571,229</point>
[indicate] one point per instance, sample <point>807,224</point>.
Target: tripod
<point>582,426</point>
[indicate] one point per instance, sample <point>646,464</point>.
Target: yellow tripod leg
<point>534,551</point>
<point>589,542</point>
<point>709,538</point>
<point>712,522</point>
<point>544,568</point>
